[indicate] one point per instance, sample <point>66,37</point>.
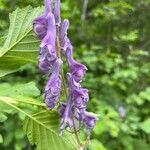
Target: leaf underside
<point>20,46</point>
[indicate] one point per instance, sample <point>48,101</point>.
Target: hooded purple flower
<point>47,58</point>
<point>77,100</point>
<point>47,52</point>
<point>80,95</point>
<point>66,119</point>
<point>76,69</point>
<point>53,87</point>
<point>40,27</point>
<point>66,45</point>
<point>40,23</point>
<point>89,119</point>
<point>50,37</point>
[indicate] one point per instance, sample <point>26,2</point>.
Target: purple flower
<point>80,98</point>
<point>76,69</point>
<point>66,45</point>
<point>89,119</point>
<point>79,95</point>
<point>63,33</point>
<point>40,27</point>
<point>85,118</point>
<point>47,52</point>
<point>47,58</point>
<point>66,120</point>
<point>53,87</point>
<point>77,114</point>
<point>61,109</point>
<point>50,37</point>
<point>40,23</point>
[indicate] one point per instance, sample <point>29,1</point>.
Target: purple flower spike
<point>57,12</point>
<point>53,87</point>
<point>77,70</point>
<point>48,28</point>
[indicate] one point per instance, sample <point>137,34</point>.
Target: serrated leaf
<point>22,93</point>
<point>20,30</point>
<point>28,89</point>
<point>20,46</point>
<point>42,129</point>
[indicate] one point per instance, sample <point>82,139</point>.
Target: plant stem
<point>58,49</point>
<point>77,136</point>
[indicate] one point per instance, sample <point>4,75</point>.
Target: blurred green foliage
<point>112,37</point>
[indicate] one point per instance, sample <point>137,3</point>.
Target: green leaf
<point>28,89</point>
<point>42,129</point>
<point>1,139</point>
<point>140,145</point>
<point>2,117</point>
<point>128,37</point>
<point>20,46</point>
<point>145,94</point>
<point>96,145</point>
<point>145,126</point>
<point>25,93</point>
<point>2,40</point>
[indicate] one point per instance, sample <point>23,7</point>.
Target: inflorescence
<point>55,43</point>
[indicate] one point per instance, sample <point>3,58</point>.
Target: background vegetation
<point>112,37</point>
